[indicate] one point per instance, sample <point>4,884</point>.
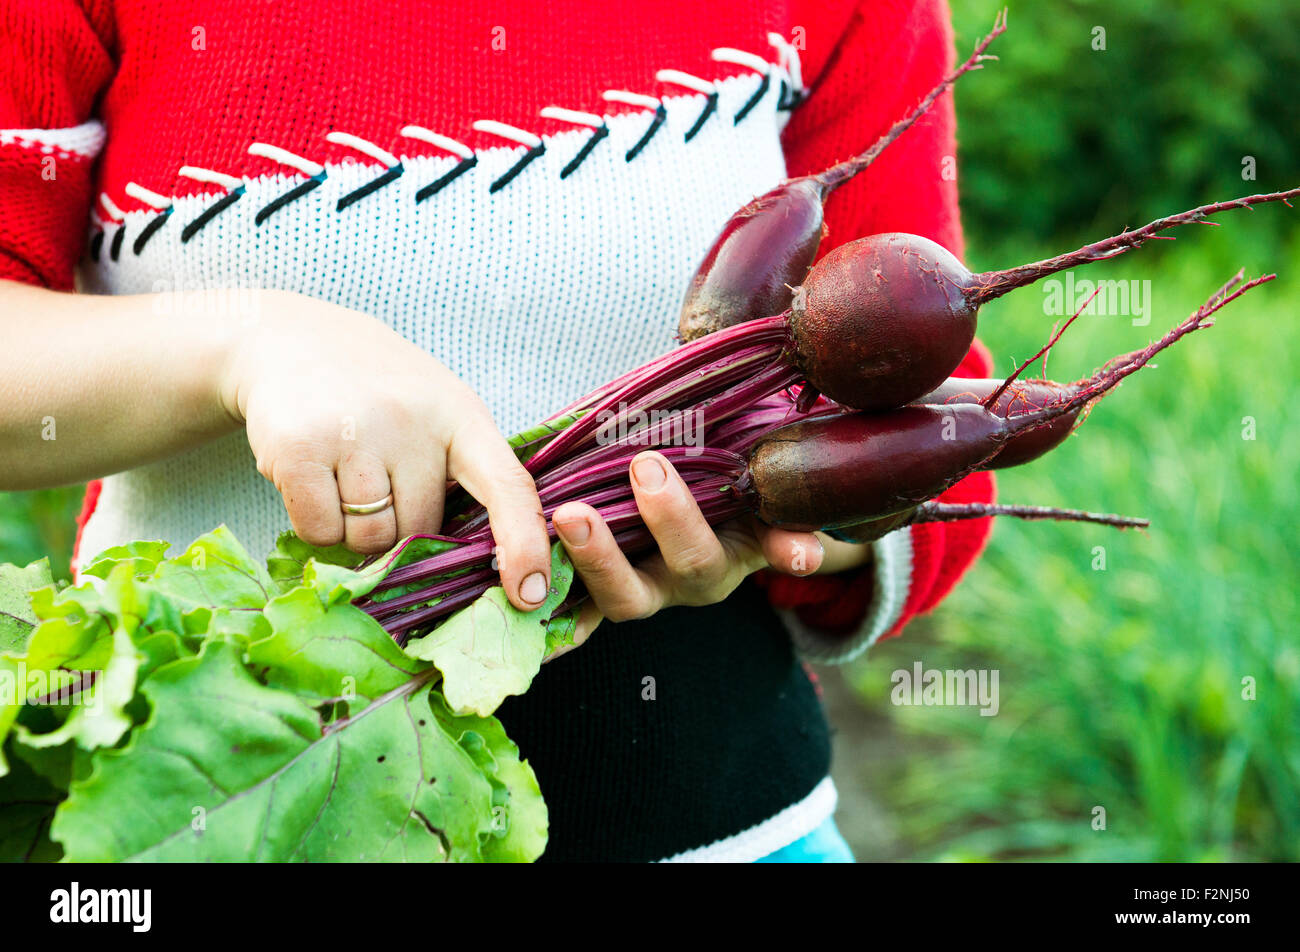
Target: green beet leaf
<point>228,769</point>
<point>215,573</point>
<point>323,651</point>
<point>99,718</point>
<point>27,804</point>
<point>143,557</point>
<point>83,644</point>
<point>291,555</point>
<point>528,442</point>
<point>17,619</point>
<point>294,563</point>
<point>489,649</point>
<point>521,833</point>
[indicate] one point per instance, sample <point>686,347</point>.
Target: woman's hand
<point>341,409</point>
<point>695,565</point>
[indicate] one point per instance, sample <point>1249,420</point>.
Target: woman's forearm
<point>91,385</point>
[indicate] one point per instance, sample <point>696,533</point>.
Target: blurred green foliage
<point>39,524</point>
<point>1058,138</point>
<point>1127,688</point>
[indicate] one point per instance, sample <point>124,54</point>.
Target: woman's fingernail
<point>533,591</point>
<point>574,531</point>
<point>649,474</point>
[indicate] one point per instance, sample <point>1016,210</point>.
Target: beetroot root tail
<point>956,512</point>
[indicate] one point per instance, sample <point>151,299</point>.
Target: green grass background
<point>1123,688</point>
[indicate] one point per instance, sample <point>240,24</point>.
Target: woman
<point>311,258</point>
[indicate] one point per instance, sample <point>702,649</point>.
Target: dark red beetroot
<point>830,472</point>
<point>763,251</point>
<point>766,248</point>
<point>884,319</point>
<point>848,469</point>
<point>839,471</point>
<point>1022,396</point>
<point>881,321</point>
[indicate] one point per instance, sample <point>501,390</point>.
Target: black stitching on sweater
<point>661,116</point>
<point>503,181</point>
<point>147,232</point>
<point>709,109</point>
<point>754,100</point>
<point>393,173</point>
<point>433,188</point>
<point>597,134</point>
<point>292,195</point>
<point>193,228</point>
<point>787,99</point>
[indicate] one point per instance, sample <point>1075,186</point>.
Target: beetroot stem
<point>993,397</point>
<point>1114,371</point>
<point>742,338</point>
<point>991,284</point>
<point>837,175</point>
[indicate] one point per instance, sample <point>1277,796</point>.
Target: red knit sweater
<point>179,83</point>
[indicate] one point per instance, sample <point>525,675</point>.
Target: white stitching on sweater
<point>533,142</point>
<point>596,123</point>
<point>440,141</point>
<point>560,114</point>
<point>675,77</point>
<point>285,157</point>
<point>728,54</point>
<point>393,167</point>
<point>209,177</point>
<point>114,213</point>
<point>364,147</point>
<point>631,99</point>
<point>514,134</point>
<point>142,194</point>
<point>788,59</point>
<point>709,90</point>
<point>788,66</point>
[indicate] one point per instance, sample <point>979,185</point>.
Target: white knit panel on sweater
<point>534,295</point>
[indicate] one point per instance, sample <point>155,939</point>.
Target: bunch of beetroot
<point>812,396</point>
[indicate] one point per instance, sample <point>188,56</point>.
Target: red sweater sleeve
<point>867,65</point>
<point>56,63</point>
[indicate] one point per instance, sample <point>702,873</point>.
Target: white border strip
<point>83,141</point>
<point>793,823</point>
<point>110,206</point>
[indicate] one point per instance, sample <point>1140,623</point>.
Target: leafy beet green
<point>228,710</point>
